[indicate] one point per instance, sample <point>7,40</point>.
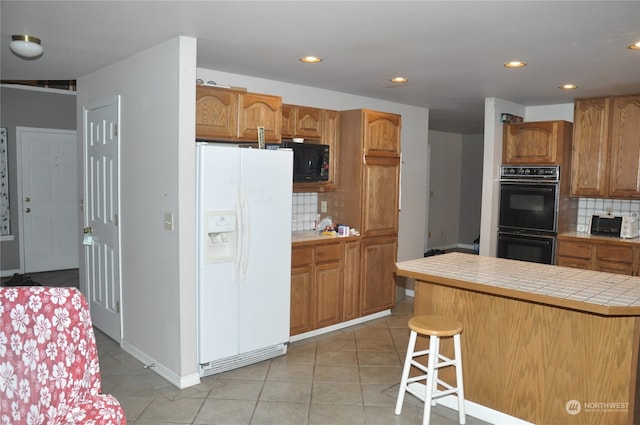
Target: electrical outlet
<point>323,206</point>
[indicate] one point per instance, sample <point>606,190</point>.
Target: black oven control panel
<point>530,172</point>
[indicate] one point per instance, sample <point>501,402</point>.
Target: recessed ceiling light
<point>515,64</point>
<point>634,46</point>
<point>310,59</point>
<point>568,86</point>
<point>399,79</point>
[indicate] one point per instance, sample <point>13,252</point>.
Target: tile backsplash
<point>303,211</point>
<point>304,208</point>
<point>590,206</point>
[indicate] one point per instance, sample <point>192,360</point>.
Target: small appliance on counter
<point>630,228</point>
<point>625,227</point>
<point>606,225</point>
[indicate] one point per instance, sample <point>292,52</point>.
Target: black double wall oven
<point>528,218</point>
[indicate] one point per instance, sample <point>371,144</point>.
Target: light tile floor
<point>347,377</point>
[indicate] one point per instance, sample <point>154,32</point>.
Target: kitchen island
<point>547,344</point>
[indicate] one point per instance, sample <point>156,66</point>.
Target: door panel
<point>101,194</point>
<point>48,195</point>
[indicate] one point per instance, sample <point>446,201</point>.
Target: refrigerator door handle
<point>243,237</point>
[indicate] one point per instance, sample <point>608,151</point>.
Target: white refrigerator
<point>243,255</point>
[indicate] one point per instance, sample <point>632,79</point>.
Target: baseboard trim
<point>476,410</point>
<point>181,382</point>
<point>339,326</point>
<point>7,273</point>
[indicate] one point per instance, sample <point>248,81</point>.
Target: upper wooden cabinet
<point>230,115</point>
<point>369,172</point>
<point>330,137</point>
<point>606,147</point>
<point>302,121</point>
<point>545,142</point>
<point>216,113</point>
<point>624,174</point>
<point>590,147</point>
<point>255,110</point>
<point>381,133</point>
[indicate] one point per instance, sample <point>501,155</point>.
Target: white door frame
<point>20,206</point>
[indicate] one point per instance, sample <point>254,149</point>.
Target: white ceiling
<point>451,51</point>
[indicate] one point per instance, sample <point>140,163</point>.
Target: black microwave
<point>310,161</point>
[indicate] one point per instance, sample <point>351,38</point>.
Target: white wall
<point>445,176</point>
<point>455,187</point>
<point>157,158</point>
<point>563,112</point>
<point>415,124</point>
<point>470,189</point>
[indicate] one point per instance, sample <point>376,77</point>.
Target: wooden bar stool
<point>435,327</point>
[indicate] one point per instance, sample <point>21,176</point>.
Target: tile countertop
<point>589,291</point>
<point>311,236</point>
<point>585,235</point>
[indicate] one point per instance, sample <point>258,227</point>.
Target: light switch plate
<point>168,221</point>
<point>323,206</point>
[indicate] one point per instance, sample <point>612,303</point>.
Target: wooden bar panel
<point>530,360</point>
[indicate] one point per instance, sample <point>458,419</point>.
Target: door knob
<point>87,239</point>
<point>27,210</point>
<point>27,199</point>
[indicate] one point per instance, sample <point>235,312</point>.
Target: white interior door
<point>101,212</point>
<point>48,161</point>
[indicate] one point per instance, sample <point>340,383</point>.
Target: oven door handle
<point>531,189</point>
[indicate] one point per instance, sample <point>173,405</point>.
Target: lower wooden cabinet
<point>377,288</point>
<point>319,296</point>
<point>600,254</point>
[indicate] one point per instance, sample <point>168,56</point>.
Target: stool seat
<point>435,325</point>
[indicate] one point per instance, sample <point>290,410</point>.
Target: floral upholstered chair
<point>49,371</point>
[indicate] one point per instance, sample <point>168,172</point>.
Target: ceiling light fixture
<point>25,46</point>
<point>399,80</point>
<point>568,86</point>
<point>634,46</point>
<point>310,59</point>
<point>515,64</point>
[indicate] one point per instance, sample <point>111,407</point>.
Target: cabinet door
<point>380,195</point>
<point>590,147</point>
<point>216,112</point>
<point>574,254</point>
<point>378,285</point>
<point>288,121</point>
<point>381,133</point>
<point>574,249</point>
<point>257,110</point>
<point>351,276</point>
<point>328,294</point>
<point>530,143</point>
<point>301,319</point>
<point>576,263</point>
<point>615,267</point>
<point>624,174</point>
<point>308,122</point>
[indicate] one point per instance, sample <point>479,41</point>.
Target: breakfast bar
<point>545,344</point>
